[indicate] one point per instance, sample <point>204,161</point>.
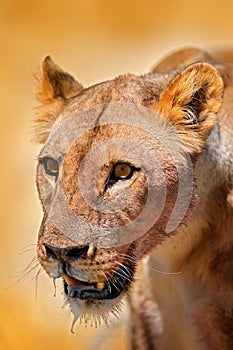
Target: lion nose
<point>69,253</point>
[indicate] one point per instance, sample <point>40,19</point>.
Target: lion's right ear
<point>54,89</point>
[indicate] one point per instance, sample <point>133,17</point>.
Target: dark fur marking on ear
<point>195,106</point>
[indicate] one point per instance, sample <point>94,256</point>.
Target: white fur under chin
<point>94,312</point>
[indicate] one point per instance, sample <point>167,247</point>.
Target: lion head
<point>115,174</point>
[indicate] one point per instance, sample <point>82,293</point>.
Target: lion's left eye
<point>51,166</point>
<point>123,171</point>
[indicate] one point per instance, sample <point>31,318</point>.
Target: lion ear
<point>54,89</point>
<point>191,102</point>
<point>56,83</point>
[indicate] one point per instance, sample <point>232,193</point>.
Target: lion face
<point>95,192</point>
<point>109,175</point>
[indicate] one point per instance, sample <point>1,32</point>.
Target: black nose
<point>70,253</point>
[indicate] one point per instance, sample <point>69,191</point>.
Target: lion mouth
<point>109,289</point>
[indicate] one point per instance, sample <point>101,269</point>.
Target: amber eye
<point>122,170</point>
<point>51,166</point>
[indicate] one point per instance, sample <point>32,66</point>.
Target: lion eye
<point>51,166</point>
<point>120,171</point>
<point>123,170</point>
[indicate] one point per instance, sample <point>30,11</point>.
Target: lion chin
<point>94,302</point>
<point>93,312</point>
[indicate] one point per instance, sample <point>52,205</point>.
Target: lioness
<point>135,177</point>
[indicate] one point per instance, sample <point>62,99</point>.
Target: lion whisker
<point>36,281</point>
<point>114,279</point>
<point>164,272</point>
<point>124,269</point>
<point>28,248</point>
<point>120,274</point>
<point>107,280</point>
<point>127,257</point>
<point>25,274</point>
<point>32,261</point>
<point>123,273</point>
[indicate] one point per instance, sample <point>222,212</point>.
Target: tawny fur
<point>183,296</point>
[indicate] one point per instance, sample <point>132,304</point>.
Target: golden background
<point>94,40</point>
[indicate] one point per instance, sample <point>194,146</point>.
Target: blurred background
<point>94,40</point>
